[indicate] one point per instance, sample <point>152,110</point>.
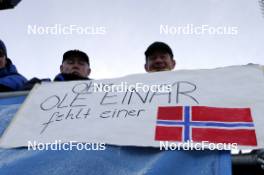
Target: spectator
<point>10,79</point>
<point>159,57</point>
<point>75,66</point>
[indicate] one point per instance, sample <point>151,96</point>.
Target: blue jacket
<point>10,79</point>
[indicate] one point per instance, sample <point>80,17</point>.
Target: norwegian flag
<point>202,123</point>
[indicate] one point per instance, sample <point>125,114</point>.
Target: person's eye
<point>151,58</point>
<point>163,57</point>
<point>69,61</point>
<point>81,63</point>
<point>2,54</point>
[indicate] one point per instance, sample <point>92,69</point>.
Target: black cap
<point>3,48</point>
<point>158,46</point>
<point>76,53</point>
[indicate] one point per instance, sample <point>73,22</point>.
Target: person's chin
<point>160,69</point>
<point>76,73</point>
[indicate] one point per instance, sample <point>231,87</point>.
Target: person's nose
<point>75,65</point>
<point>158,59</point>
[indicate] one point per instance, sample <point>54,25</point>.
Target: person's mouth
<point>160,67</point>
<point>75,72</point>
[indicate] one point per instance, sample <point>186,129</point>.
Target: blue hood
<point>10,69</point>
<point>10,78</point>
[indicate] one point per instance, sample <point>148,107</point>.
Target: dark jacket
<point>69,77</point>
<point>60,77</point>
<point>31,83</point>
<point>10,79</point>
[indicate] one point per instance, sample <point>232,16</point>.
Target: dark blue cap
<point>158,46</point>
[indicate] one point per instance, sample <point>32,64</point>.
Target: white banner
<point>223,105</point>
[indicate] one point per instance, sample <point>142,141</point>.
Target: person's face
<point>159,61</point>
<point>2,60</point>
<point>75,66</point>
